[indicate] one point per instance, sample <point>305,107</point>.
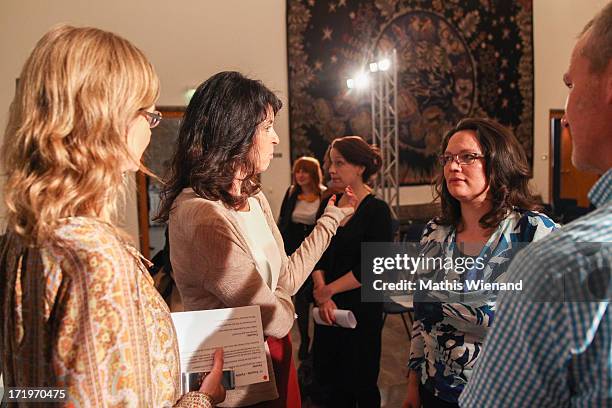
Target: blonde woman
<point>78,308</point>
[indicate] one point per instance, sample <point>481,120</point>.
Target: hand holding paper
<point>237,330</point>
<point>342,318</point>
<point>212,382</point>
<point>326,311</point>
<point>322,294</point>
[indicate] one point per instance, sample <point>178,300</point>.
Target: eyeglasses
<point>461,158</point>
<point>152,117</point>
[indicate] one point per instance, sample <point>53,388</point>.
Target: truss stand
<point>383,86</point>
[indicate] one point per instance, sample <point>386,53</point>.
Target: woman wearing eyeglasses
<point>487,213</point>
<point>78,308</point>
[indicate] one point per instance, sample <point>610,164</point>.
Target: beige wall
<point>187,41</point>
<point>557,23</point>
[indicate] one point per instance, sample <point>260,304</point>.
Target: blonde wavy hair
<point>78,92</point>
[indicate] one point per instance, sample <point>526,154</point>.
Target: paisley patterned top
<point>450,326</point>
<point>82,314</point>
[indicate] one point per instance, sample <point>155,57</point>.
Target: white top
<point>261,242</point>
<point>305,212</point>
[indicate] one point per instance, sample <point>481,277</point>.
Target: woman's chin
<point>460,196</point>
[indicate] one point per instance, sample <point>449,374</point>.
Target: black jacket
<point>293,233</point>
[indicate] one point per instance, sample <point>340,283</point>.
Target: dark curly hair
<point>506,171</point>
<point>216,139</point>
<point>358,152</point>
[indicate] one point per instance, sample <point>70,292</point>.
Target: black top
<point>293,233</point>
<point>370,223</point>
<point>287,207</point>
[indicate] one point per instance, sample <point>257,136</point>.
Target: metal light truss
<point>383,86</point>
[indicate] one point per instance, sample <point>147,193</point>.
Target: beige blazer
<point>214,268</point>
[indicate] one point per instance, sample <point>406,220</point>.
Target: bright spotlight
<point>373,67</point>
<point>350,83</point>
<point>384,64</point>
<point>361,80</point>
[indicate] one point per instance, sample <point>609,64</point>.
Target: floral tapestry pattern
<point>456,58</point>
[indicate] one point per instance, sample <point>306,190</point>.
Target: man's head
<point>589,103</point>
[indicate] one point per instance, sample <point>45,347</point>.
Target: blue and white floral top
<point>451,324</point>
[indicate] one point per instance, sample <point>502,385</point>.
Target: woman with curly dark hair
<point>487,213</point>
<point>226,250</point>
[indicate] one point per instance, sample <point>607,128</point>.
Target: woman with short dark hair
<point>226,250</point>
<point>487,213</point>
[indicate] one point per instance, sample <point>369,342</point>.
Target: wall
<point>556,26</point>
<point>188,41</point>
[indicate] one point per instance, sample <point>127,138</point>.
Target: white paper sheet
<point>237,330</point>
<point>344,318</point>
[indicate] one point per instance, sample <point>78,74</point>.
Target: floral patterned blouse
<point>448,335</point>
<point>82,314</point>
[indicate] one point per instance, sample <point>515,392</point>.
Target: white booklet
<point>237,330</point>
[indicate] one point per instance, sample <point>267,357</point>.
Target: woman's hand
<point>349,204</point>
<point>212,382</point>
<point>413,397</point>
<point>349,200</point>
<point>322,294</point>
<point>326,311</point>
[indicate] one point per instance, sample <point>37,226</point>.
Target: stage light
<point>350,83</point>
<point>361,80</point>
<point>384,64</point>
<point>373,67</point>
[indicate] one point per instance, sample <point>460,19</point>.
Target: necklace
<point>309,198</point>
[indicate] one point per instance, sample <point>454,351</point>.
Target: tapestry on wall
<point>456,58</point>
